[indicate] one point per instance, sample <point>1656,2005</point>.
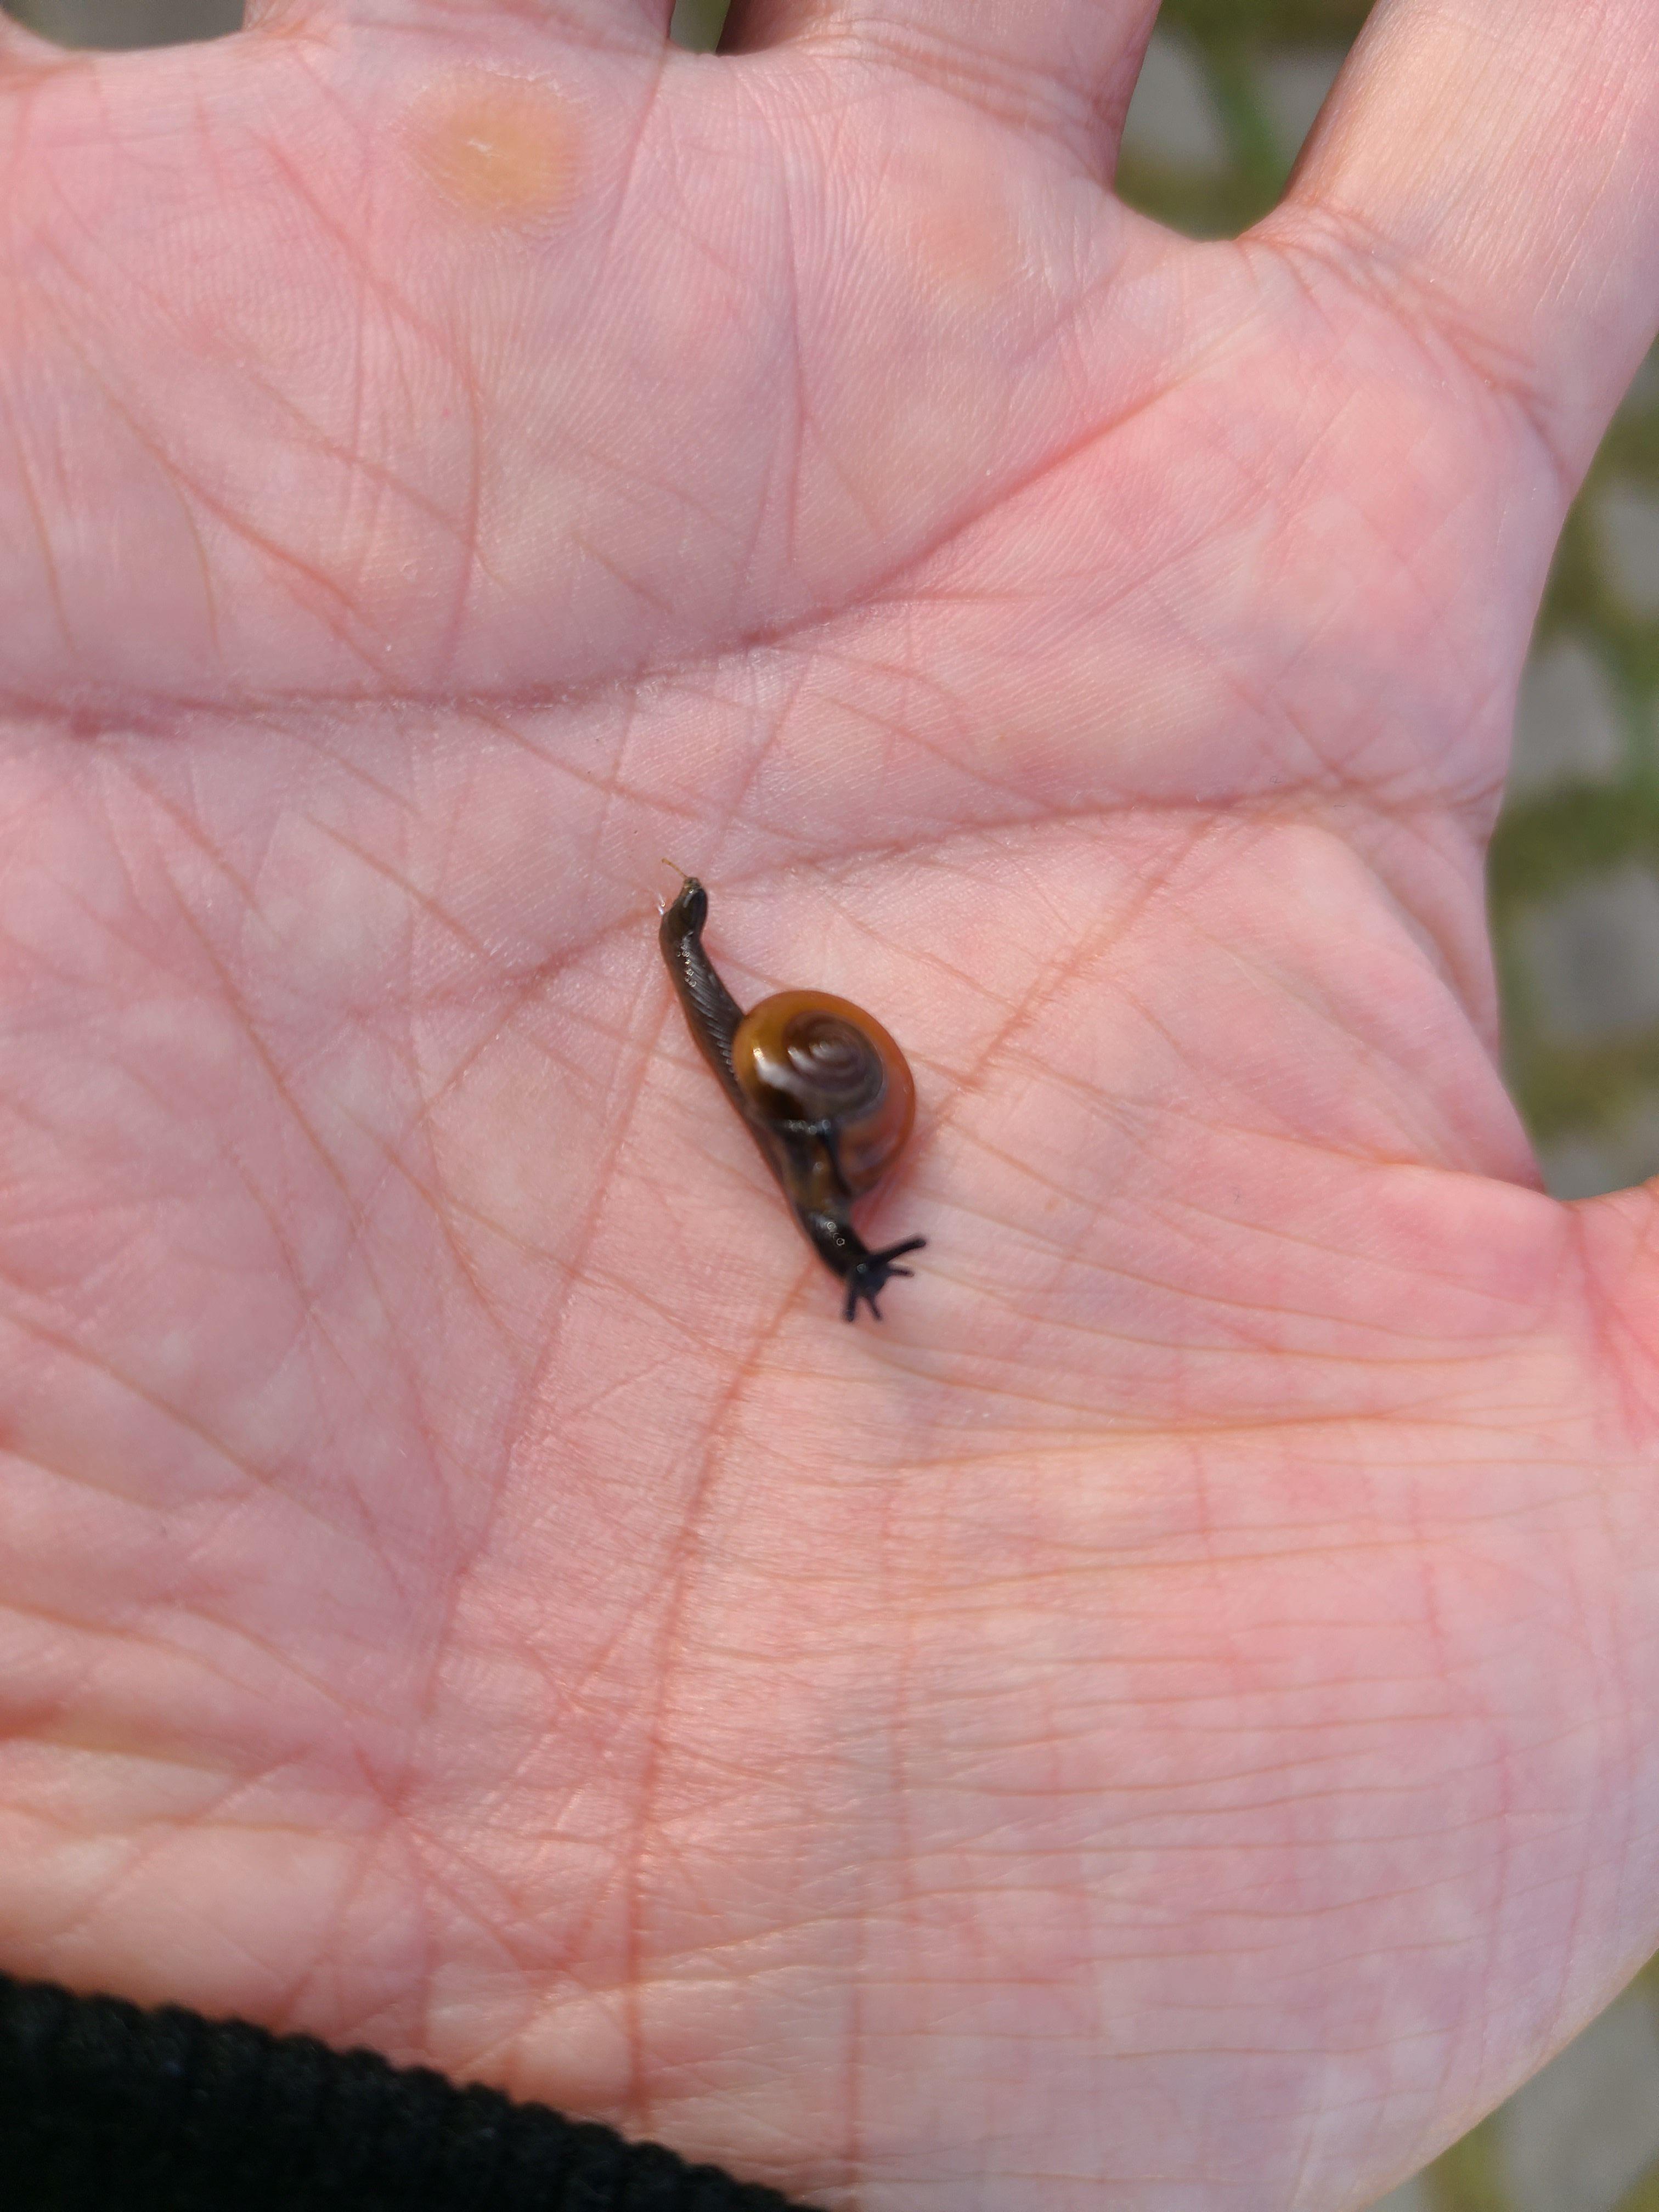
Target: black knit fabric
<point>107,2108</point>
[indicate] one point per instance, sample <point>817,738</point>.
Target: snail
<point>821,1086</point>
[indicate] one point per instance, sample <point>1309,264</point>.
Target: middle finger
<point>1061,69</point>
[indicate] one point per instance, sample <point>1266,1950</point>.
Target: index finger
<point>1495,164</point>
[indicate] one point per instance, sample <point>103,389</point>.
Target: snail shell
<point>819,1062</point>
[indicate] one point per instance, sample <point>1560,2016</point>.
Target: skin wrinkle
<point>61,1473</point>
<point>879,589</point>
<point>609,786</point>
<point>209,598</point>
<point>168,466</point>
<point>790,444</point>
<point>1057,976</point>
<point>903,1852</point>
<point>305,1295</point>
<point>424,900</point>
<point>1271,805</point>
<point>348,453</point>
<point>753,767</point>
<point>441,1213</point>
<point>43,1333</point>
<point>905,734</point>
<point>1268,486</point>
<point>652,93</point>
<point>1133,1121</point>
<point>288,1100</point>
<point>1210,1299</point>
<point>573,1065</point>
<point>441,1208</point>
<point>1338,238</point>
<point>1271,972</point>
<point>1372,1359</point>
<point>435,1453</point>
<point>241,1637</point>
<point>138,1860</point>
<point>608,795</point>
<point>237,525</point>
<point>1603,1322</point>
<point>190,834</point>
<point>1274,706</point>
<point>972,986</point>
<point>1634,1378</point>
<point>682,1561</point>
<point>1064,108</point>
<point>163,469</point>
<point>630,584</point>
<point>593,29</point>
<point>622,472</point>
<point>130,1638</point>
<point>309,1327</point>
<point>467,1889</point>
<point>1147,1341</point>
<point>304,1980</point>
<point>1575,1918</point>
<point>452,1082</point>
<point>41,528</point>
<point>582,1242</point>
<point>761,507</point>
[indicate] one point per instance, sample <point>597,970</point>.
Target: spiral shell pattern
<point>805,1058</point>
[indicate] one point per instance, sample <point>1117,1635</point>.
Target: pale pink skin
<point>1167,1720</point>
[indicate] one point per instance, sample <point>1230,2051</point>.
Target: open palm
<point>1171,1708</point>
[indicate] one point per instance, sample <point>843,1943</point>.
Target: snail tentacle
<point>872,1272</point>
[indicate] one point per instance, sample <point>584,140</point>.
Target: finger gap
<point>697,24</point>
<point>114,25</point>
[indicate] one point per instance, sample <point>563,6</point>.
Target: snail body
<point>821,1086</point>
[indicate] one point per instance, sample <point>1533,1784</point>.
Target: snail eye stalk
<point>870,1275</point>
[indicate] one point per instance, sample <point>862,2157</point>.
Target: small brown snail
<point>822,1088</point>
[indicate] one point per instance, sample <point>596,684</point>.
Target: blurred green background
<point>1229,91</point>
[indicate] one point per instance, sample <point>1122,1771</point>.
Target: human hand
<point>1170,1711</point>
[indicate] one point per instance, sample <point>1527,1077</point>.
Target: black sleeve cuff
<point>105,2107</point>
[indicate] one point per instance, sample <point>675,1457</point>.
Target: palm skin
<point>1168,1712</point>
